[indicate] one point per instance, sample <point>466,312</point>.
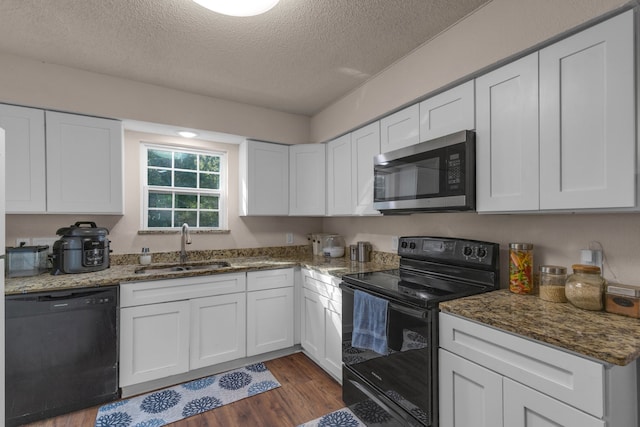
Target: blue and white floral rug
<point>340,418</point>
<point>172,404</point>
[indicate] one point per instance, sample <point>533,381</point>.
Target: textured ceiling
<point>299,57</point>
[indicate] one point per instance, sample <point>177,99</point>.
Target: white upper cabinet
<point>365,144</point>
<point>84,164</point>
<point>307,179</point>
<point>448,112</point>
<point>400,129</point>
<point>25,152</point>
<point>340,198</point>
<point>587,118</point>
<point>264,178</point>
<point>507,137</point>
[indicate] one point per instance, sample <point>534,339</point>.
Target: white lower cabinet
<point>270,305</point>
<point>321,329</point>
<point>491,378</point>
<point>172,326</point>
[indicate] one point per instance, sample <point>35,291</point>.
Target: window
<point>181,185</point>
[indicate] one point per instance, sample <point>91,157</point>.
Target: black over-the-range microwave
<point>436,175</point>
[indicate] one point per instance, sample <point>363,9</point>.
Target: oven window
<point>404,372</point>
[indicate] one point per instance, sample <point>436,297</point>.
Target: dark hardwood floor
<point>307,393</point>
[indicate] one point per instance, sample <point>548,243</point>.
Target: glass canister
<point>585,287</point>
<point>521,268</point>
<point>552,281</point>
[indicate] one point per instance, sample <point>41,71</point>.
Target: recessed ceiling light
<point>238,7</point>
<point>187,134</point>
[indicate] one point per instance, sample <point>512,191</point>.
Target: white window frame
<point>221,192</point>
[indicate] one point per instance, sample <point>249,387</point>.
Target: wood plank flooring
<point>307,393</point>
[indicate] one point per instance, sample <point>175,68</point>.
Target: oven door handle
<point>379,402</point>
<point>413,312</point>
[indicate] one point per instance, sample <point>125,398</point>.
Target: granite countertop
<point>608,337</point>
<point>117,274</point>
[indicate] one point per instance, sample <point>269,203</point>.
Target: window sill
<point>178,231</point>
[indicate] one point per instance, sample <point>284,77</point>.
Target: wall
<point>244,232</point>
<point>497,31</point>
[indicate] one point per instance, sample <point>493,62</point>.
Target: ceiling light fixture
<point>238,7</point>
<point>187,134</point>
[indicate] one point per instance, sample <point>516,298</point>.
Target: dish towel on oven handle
<point>370,316</point>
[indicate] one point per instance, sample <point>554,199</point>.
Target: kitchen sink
<point>160,269</point>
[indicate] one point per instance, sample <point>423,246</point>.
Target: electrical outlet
<point>394,243</point>
<point>23,241</point>
<point>289,238</point>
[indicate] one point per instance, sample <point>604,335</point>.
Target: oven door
<point>405,378</point>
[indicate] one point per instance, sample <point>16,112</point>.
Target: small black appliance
<point>83,248</point>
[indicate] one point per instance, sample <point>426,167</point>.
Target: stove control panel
<point>457,251</point>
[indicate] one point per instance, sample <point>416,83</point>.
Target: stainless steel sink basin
<point>160,269</point>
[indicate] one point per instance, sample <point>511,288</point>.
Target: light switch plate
<point>289,238</point>
<point>394,243</point>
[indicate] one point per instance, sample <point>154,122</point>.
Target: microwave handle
<point>413,312</point>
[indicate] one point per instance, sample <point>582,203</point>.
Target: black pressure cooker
<point>83,248</point>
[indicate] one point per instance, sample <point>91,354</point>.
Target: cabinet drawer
<point>572,379</point>
<point>320,284</point>
<point>269,279</point>
<point>155,291</point>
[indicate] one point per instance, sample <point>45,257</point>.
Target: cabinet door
<point>587,118</point>
<point>218,329</point>
<point>332,356</point>
<point>339,188</point>
<point>312,328</point>
<point>25,154</point>
<point>307,179</point>
<point>84,164</point>
<point>448,112</point>
<point>469,395</point>
<point>400,129</point>
<point>154,341</point>
<point>365,144</point>
<point>264,178</point>
<point>525,407</point>
<point>269,320</point>
<point>507,137</point>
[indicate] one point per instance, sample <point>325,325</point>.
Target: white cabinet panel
<point>84,164</point>
<point>470,395</point>
<point>218,326</point>
<point>270,279</point>
<point>365,144</point>
<point>154,341</point>
<point>587,118</point>
<point>25,152</point>
<point>400,129</point>
<point>307,179</point>
<point>507,137</point>
<point>340,199</point>
<point>312,332</point>
<point>448,112</point>
<point>264,178</point>
<point>269,320</point>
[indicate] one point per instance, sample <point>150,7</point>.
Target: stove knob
<point>403,245</point>
<point>481,252</point>
<point>412,245</point>
<point>467,251</point>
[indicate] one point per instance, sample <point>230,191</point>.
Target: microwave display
<point>434,175</point>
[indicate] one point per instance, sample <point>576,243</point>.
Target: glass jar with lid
<point>521,268</point>
<point>552,281</point>
<point>584,288</point>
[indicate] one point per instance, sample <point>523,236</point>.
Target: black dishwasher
<point>61,352</point>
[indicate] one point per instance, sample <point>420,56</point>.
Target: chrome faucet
<point>184,241</point>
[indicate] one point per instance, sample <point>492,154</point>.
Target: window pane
<point>159,158</point>
<point>210,180</point>
<point>209,219</point>
<point>186,161</point>
<point>161,177</point>
<point>159,218</point>
<point>209,202</point>
<point>160,200</point>
<point>186,201</point>
<point>186,179</point>
<point>180,217</point>
<point>209,163</point>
